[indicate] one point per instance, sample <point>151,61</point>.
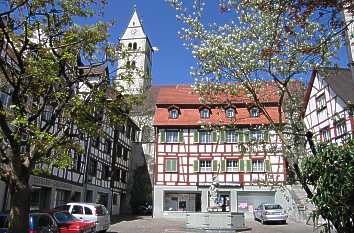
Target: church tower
<point>139,56</point>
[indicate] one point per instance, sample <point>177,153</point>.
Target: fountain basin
<point>216,220</point>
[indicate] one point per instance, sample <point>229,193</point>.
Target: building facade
<point>329,106</point>
<point>238,153</point>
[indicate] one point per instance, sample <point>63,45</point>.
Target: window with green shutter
<point>223,165</point>
<point>196,136</point>
<point>266,136</point>
<point>246,135</point>
<point>241,136</point>
<point>268,166</point>
<point>242,165</point>
<point>171,165</point>
<point>180,136</point>
<point>215,166</point>
<point>162,136</point>
<point>215,136</point>
<point>248,165</point>
<point>222,136</point>
<point>196,165</point>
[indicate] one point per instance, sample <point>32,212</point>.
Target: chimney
<point>348,18</point>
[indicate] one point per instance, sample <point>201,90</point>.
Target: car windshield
<point>3,221</point>
<point>64,217</point>
<point>272,207</point>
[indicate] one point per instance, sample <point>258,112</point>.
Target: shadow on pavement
<point>127,218</point>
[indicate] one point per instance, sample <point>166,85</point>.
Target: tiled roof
<point>189,104</point>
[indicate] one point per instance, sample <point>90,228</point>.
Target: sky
<point>171,64</point>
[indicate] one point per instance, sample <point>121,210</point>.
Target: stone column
<point>205,200</point>
<point>158,202</point>
<point>233,200</point>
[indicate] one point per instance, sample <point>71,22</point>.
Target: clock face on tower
<point>133,31</point>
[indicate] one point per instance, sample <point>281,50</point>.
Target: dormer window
<point>254,112</point>
<point>230,112</point>
<point>174,113</point>
<point>204,113</point>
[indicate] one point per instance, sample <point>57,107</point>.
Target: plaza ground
<point>146,224</point>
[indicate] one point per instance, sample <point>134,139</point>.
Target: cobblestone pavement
<point>146,224</point>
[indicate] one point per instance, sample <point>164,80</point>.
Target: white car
<point>90,211</point>
<point>270,213</point>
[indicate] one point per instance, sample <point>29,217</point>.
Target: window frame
<point>323,137</point>
<point>205,113</point>
<point>256,164</point>
<point>232,134</point>
<point>254,112</point>
<point>339,125</point>
<point>175,136</point>
<point>230,110</point>
<point>205,165</point>
<point>319,104</point>
<point>172,112</point>
<point>235,163</point>
<point>205,137</point>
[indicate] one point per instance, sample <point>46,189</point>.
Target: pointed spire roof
<point>135,27</point>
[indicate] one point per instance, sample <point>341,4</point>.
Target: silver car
<point>270,213</point>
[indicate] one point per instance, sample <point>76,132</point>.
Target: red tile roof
<point>189,103</point>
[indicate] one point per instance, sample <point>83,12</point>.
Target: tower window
<point>135,46</point>
<point>130,45</point>
<point>128,64</point>
<point>133,64</point>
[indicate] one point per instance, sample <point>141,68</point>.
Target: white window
<point>258,165</point>
<point>172,136</point>
<point>254,112</point>
<point>321,102</point>
<point>231,136</point>
<point>205,165</point>
<point>171,165</point>
<point>173,113</point>
<point>341,128</point>
<point>230,113</point>
<point>204,113</point>
<point>232,165</point>
<point>204,136</point>
<point>325,135</point>
<point>257,135</point>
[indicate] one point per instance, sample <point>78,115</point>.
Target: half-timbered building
<point>329,105</point>
<point>230,142</point>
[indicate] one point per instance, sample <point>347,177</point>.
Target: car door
<point>44,224</point>
<point>258,212</point>
<point>78,211</point>
<point>89,214</point>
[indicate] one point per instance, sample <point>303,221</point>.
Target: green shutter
<point>162,136</point>
<point>223,165</point>
<point>214,166</point>
<point>247,136</point>
<point>268,166</point>
<point>266,136</point>
<point>222,136</point>
<point>249,165</point>
<point>174,165</point>
<point>196,136</point>
<point>240,134</point>
<point>196,165</point>
<point>242,165</point>
<point>180,136</point>
<point>214,136</point>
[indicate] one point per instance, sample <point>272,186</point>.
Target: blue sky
<point>171,65</point>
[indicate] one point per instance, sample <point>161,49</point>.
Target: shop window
<point>171,165</point>
<point>190,202</point>
<point>258,165</point>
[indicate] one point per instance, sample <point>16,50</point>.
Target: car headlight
<point>267,213</point>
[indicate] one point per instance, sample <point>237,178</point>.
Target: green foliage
<point>331,173</point>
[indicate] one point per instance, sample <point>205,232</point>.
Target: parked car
<point>270,213</point>
<point>91,212</point>
<point>52,221</point>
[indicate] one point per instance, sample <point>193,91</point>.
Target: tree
<point>331,173</point>
<point>50,98</point>
<point>258,42</point>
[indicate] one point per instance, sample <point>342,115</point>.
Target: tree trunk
<point>20,204</point>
